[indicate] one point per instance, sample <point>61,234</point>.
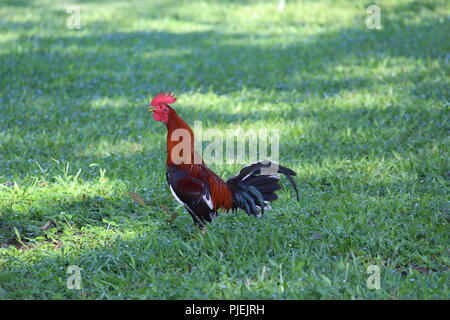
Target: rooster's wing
<point>193,194</point>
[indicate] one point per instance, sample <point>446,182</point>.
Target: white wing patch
<point>208,201</point>
<point>206,198</point>
<point>175,195</point>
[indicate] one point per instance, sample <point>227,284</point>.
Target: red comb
<point>162,97</point>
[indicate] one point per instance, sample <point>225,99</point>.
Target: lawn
<point>363,119</point>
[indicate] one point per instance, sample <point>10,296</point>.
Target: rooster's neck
<point>180,142</point>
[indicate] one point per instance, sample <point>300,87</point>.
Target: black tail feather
<point>289,177</point>
<point>270,196</point>
<point>268,188</point>
<point>255,185</point>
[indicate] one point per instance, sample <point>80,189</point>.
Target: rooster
<point>202,192</point>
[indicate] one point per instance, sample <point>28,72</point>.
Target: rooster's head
<point>160,106</point>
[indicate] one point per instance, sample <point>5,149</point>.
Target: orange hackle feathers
<point>162,97</point>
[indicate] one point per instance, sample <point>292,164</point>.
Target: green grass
<point>364,121</point>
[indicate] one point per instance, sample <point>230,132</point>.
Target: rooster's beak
<point>151,109</point>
